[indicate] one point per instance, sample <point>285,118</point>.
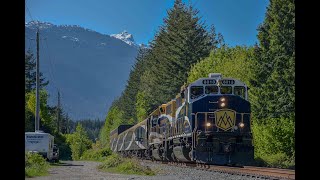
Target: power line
<point>51,67</point>
<point>29,11</point>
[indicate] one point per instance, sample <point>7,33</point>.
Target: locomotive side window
<point>196,91</point>
<point>226,90</point>
<point>211,89</point>
<point>240,91</point>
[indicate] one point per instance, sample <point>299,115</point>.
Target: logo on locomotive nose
<point>225,119</point>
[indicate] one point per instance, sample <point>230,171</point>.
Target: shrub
<point>96,154</point>
<point>279,160</point>
<point>274,142</point>
<point>35,165</point>
<point>116,163</point>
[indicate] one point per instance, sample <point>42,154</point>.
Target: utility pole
<point>58,112</point>
<point>37,122</point>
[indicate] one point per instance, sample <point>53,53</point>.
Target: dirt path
<point>73,170</point>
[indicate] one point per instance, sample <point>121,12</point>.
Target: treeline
<point>184,49</point>
<point>92,127</point>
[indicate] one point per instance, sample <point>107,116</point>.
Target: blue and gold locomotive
<point>208,122</point>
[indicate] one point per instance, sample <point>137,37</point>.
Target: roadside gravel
<point>74,170</point>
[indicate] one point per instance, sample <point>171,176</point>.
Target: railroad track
<point>250,171</point>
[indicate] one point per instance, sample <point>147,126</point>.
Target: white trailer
<point>39,142</point>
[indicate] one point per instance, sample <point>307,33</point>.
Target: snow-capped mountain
<point>89,68</point>
<point>125,37</point>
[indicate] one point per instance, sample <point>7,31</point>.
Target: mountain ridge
<point>89,68</point>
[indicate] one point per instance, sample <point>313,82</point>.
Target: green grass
<point>35,165</point>
<point>116,164</point>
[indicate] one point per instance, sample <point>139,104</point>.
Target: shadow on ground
<point>65,164</point>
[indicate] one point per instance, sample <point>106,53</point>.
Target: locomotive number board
<point>209,81</point>
<point>227,81</point>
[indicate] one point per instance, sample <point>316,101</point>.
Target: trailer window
<point>211,90</point>
<point>226,90</point>
<point>240,91</point>
<point>196,91</point>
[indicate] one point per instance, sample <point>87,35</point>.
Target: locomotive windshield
<point>211,89</point>
<point>196,91</point>
<point>226,89</point>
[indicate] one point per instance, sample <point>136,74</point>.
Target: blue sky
<point>236,20</point>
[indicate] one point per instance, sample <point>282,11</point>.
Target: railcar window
<point>196,91</point>
<point>240,91</point>
<point>211,89</point>
<point>226,90</point>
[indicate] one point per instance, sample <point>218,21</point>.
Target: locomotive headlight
<point>208,124</point>
<point>222,99</point>
<point>241,125</point>
<point>223,104</point>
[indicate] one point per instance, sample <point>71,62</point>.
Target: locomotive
<point>208,122</point>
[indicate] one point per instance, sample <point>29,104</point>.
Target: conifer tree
<point>128,98</point>
<point>274,80</point>
<point>30,73</point>
<point>181,41</point>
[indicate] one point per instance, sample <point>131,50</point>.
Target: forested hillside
<point>81,64</point>
<point>185,49</point>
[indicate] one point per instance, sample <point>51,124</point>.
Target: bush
<point>279,160</point>
<point>96,154</point>
<point>116,163</point>
<point>274,142</point>
<point>35,165</point>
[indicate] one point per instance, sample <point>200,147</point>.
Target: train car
<point>208,122</point>
<point>115,135</point>
<point>132,141</point>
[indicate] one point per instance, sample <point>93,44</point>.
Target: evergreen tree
<point>274,79</point>
<point>128,97</point>
<point>30,73</point>
<point>273,85</point>
<point>181,41</point>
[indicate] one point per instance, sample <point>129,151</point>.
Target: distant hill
<point>88,67</point>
